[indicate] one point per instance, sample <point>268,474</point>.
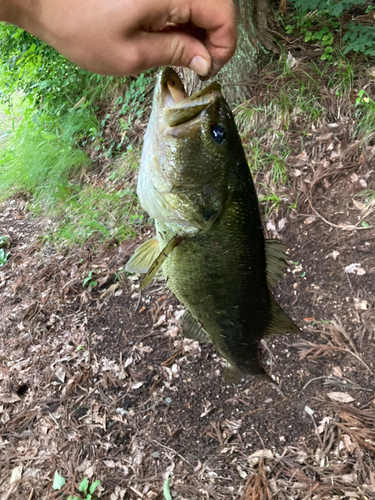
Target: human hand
<point>121,37</point>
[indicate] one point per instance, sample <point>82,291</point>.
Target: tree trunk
<point>254,19</point>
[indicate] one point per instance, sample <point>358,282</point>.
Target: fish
<point>194,181</point>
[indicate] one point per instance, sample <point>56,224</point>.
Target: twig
<point>279,34</point>
<point>242,104</point>
<point>260,438</point>
<point>312,380</point>
<point>53,418</point>
<point>138,493</point>
<point>170,360</point>
<point>174,451</point>
<point>344,228</point>
<point>272,406</point>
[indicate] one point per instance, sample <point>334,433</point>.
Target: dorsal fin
<point>142,259</point>
<point>275,260</point>
<point>191,329</point>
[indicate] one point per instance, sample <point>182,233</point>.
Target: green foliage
<point>51,130</point>
<point>86,489</point>
<point>42,73</point>
<point>325,36</point>
<point>58,481</point>
<point>4,241</point>
<point>131,103</point>
<point>365,114</point>
<point>270,199</point>
<point>332,8</point>
<point>90,282</point>
<point>360,38</point>
<point>319,21</point>
<point>38,161</point>
<point>166,490</point>
<point>110,210</point>
<point>3,256</point>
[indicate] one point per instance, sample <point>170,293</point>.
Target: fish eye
<point>218,133</point>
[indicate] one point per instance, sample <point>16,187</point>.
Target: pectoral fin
<point>276,261</point>
<point>191,329</point>
<point>143,257</point>
<point>158,262</point>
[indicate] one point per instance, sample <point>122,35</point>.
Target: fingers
<point>214,18</point>
<point>218,19</point>
<point>174,49</point>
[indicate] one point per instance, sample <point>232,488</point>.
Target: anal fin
<point>280,322</point>
<point>233,374</point>
<point>191,329</point>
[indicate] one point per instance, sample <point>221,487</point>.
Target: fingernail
<point>200,65</point>
<point>214,69</point>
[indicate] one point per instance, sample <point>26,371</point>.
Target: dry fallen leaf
<point>348,443</point>
<point>137,385</point>
<point>336,370</point>
<point>360,305</point>
<point>12,398</point>
<point>16,474</point>
<point>355,268</point>
<point>322,425</point>
<point>60,374</point>
<point>334,255</point>
<point>241,472</point>
<point>340,397</point>
<point>310,219</point>
<point>259,454</point>
<point>358,204</point>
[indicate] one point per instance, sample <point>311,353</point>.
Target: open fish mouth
<point>176,106</point>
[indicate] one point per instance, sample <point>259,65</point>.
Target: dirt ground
<point>98,382</point>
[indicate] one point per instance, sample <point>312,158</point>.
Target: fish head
<point>190,145</point>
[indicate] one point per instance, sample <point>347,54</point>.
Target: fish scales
<point>195,181</point>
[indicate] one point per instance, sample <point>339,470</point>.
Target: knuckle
<point>178,52</point>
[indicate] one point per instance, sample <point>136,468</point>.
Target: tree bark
<point>254,19</point>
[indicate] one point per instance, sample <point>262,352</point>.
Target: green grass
<point>110,210</point>
<point>294,101</point>
<point>45,160</point>
<point>37,161</point>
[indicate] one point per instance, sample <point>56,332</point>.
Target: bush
<point>321,21</point>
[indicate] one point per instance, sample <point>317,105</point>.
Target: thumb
<point>175,49</point>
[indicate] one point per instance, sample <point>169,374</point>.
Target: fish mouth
<point>176,106</point>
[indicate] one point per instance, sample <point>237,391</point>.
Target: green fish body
<point>195,181</point>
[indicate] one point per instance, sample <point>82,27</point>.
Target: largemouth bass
<point>195,182</point>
